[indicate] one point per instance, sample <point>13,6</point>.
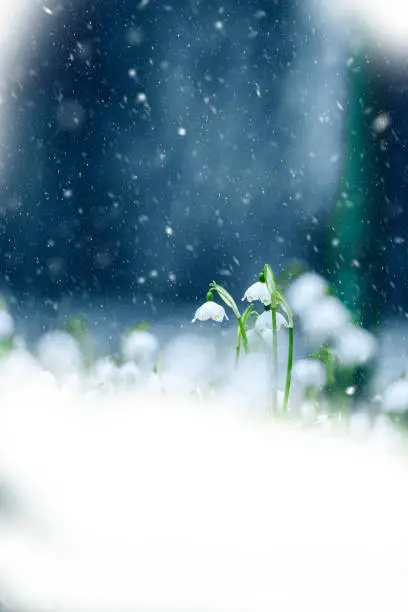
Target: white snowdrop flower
<point>140,346</point>
<point>258,291</point>
<point>260,341</point>
<point>326,320</point>
<point>60,353</point>
<point>6,324</point>
<point>310,373</point>
<point>356,346</point>
<point>305,291</point>
<point>395,397</point>
<point>266,335</point>
<point>264,321</point>
<point>255,341</point>
<point>210,310</point>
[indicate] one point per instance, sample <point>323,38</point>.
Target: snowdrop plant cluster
<point>190,364</point>
<point>332,338</point>
<point>265,290</point>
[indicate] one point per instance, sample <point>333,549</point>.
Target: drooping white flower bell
<point>264,321</point>
<point>258,291</point>
<point>210,310</point>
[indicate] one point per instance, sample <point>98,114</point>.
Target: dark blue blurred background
<point>154,146</point>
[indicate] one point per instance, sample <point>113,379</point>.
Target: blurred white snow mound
<point>20,370</point>
<point>143,503</point>
<point>249,385</point>
<point>192,359</point>
<point>107,376</point>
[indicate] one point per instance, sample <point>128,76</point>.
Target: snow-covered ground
<point>129,495</point>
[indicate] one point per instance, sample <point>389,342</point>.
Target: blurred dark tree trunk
<point>357,224</point>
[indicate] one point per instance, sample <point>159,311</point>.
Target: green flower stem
<point>275,359</point>
<point>243,334</point>
<point>288,372</point>
<point>238,349</point>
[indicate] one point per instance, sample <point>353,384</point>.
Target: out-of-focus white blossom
<point>356,346</point>
<point>255,341</point>
<point>308,411</point>
<point>264,321</point>
<point>210,310</point>
<point>103,372</point>
<point>20,369</point>
<point>258,292</point>
<point>190,357</point>
<point>260,341</point>
<point>6,324</point>
<point>395,398</point>
<point>60,353</point>
<point>140,346</point>
<point>129,374</point>
<point>326,320</point>
<point>309,373</point>
<point>305,291</point>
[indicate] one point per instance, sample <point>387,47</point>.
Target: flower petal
<point>257,291</point>
<point>264,321</point>
<point>210,310</point>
